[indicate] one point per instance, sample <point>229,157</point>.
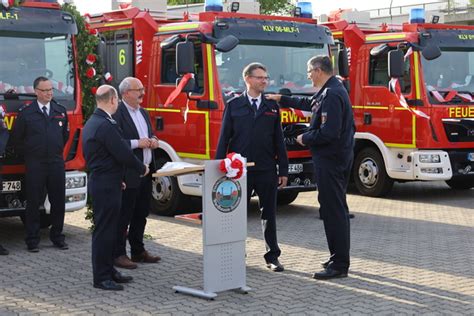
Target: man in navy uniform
<point>40,133</point>
<point>107,154</point>
<point>135,124</point>
<point>331,140</point>
<point>251,127</point>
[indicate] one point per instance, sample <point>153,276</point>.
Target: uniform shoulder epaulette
<point>23,107</point>
<point>233,99</point>
<point>59,104</point>
<point>111,120</point>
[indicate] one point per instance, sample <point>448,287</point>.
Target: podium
<point>224,231</point>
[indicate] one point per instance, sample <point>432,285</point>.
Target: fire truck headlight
<point>75,182</point>
<point>430,158</point>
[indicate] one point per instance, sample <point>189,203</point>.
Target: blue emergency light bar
<point>306,8</point>
<point>417,15</point>
<point>213,5</point>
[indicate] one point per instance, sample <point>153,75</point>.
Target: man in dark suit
<point>40,132</point>
<point>252,127</point>
<point>136,128</point>
<point>107,154</point>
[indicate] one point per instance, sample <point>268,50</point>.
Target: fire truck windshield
<point>452,71</point>
<point>22,59</point>
<point>286,66</point>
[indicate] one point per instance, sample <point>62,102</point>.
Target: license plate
<point>295,168</point>
<point>11,186</point>
<point>470,156</point>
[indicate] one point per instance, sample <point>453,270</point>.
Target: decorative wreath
<point>233,166</point>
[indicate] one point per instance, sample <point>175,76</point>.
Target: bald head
<point>107,98</point>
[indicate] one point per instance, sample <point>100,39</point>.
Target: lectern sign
<point>226,194</point>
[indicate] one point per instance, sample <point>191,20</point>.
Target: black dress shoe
<point>326,263</point>
<point>275,266</point>
<point>61,245</point>
<point>33,249</point>
<point>120,278</point>
<point>3,251</point>
<point>329,273</point>
<point>108,285</point>
<point>351,215</point>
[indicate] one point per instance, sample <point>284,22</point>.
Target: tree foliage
<point>86,44</point>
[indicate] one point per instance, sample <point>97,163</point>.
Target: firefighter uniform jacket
<point>38,137</point>
<point>331,132</point>
<point>258,136</point>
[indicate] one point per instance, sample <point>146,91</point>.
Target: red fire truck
<point>214,46</point>
<point>421,126</point>
<point>37,39</point>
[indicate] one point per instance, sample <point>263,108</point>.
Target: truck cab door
<point>383,114</point>
<point>182,124</point>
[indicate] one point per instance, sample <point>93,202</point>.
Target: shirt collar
<point>259,99</point>
<point>47,105</point>
<point>132,109</point>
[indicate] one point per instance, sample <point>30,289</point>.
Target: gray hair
<point>125,85</point>
<point>322,62</point>
<point>105,93</point>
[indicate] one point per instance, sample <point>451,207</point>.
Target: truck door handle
<point>367,118</point>
<point>159,123</point>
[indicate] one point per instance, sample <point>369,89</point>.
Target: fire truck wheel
<point>286,197</point>
<point>461,184</point>
<point>166,197</point>
<point>369,173</point>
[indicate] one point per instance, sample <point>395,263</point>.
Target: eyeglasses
<point>45,90</point>
<point>139,90</point>
<point>310,70</point>
<point>261,78</point>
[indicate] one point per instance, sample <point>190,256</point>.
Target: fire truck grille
<point>459,130</point>
<point>290,132</point>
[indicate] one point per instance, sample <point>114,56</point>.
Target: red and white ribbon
<point>234,166</point>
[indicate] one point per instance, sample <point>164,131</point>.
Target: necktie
<point>45,111</point>
<point>254,105</point>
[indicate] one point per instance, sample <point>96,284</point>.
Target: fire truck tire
<point>166,197</point>
<point>286,197</point>
<point>461,184</point>
<point>370,176</point>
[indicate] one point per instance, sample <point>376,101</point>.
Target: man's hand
<point>147,171</point>
<point>299,139</point>
<point>274,97</point>
<point>144,143</point>
<point>282,182</point>
<point>154,144</point>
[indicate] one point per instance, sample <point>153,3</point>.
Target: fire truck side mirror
<point>227,43</point>
<point>431,52</point>
<point>184,58</point>
<point>395,63</point>
<point>343,62</point>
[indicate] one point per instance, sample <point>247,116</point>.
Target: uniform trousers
<point>106,194</point>
<point>332,180</point>
<point>42,178</point>
<point>134,211</point>
<point>265,184</point>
